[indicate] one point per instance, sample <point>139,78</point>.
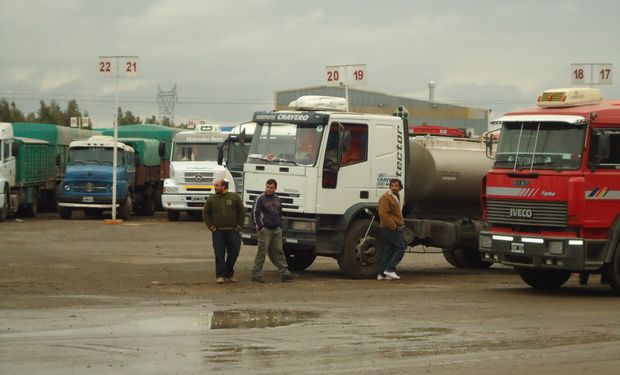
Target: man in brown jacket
<point>390,219</point>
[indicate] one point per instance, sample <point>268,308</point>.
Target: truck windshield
<point>285,143</point>
<point>540,145</point>
<point>195,152</point>
<point>94,155</point>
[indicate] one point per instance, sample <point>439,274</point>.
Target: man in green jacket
<point>224,213</point>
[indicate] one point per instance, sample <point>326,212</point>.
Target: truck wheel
<point>299,259</point>
<point>174,215</point>
<point>65,213</point>
<point>543,279</point>
<point>126,208</point>
<point>148,205</point>
<point>360,258</point>
<point>448,254</point>
<point>612,271</point>
<point>470,258</point>
<point>31,209</point>
<point>4,210</point>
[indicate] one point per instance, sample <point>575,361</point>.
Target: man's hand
<point>238,228</point>
<point>212,228</point>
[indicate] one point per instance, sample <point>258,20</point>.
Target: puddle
<point>227,319</point>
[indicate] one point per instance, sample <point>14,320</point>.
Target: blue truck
<point>87,182</point>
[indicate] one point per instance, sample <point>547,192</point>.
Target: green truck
<point>26,167</point>
<point>59,137</point>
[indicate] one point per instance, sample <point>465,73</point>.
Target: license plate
<point>88,199</point>
<point>518,248</point>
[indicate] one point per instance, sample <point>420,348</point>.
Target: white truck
<point>332,167</point>
<point>193,169</point>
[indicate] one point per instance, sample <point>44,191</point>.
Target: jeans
<point>270,241</point>
<point>226,245</point>
<point>393,250</point>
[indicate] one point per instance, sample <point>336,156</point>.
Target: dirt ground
<point>81,297</point>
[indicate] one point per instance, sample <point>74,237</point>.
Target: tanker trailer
<point>442,196</point>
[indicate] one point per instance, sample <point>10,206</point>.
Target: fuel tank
<point>446,171</point>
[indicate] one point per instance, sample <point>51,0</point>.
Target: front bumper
<point>574,254</point>
<point>184,202</point>
<point>80,201</point>
<point>290,237</point>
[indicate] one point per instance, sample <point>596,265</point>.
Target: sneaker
<point>391,275</point>
<point>383,277</point>
<point>219,280</point>
<point>258,279</point>
<point>288,277</point>
<point>231,280</point>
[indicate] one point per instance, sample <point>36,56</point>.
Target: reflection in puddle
<point>227,319</point>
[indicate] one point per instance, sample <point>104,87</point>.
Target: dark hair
<point>273,182</point>
<point>224,182</point>
<point>393,180</point>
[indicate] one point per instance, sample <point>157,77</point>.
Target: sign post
<point>591,74</point>
<point>346,75</point>
<point>117,67</point>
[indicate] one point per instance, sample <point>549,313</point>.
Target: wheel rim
<point>366,251</point>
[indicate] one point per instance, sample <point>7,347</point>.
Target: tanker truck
<point>332,166</point>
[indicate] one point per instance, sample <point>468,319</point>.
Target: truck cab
<point>233,153</point>
<point>193,169</point>
<point>87,184</point>
<point>552,199</point>
<point>7,168</point>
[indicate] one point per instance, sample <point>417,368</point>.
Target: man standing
<point>223,213</point>
<point>267,215</point>
<point>390,219</point>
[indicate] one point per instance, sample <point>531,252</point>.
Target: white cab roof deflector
<point>575,120</point>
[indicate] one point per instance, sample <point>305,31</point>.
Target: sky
<point>228,57</point>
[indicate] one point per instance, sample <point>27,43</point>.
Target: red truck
<point>552,198</point>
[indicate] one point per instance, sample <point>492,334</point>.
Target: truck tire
<point>543,279</point>
<point>612,271</point>
<point>148,205</point>
<point>31,209</point>
<point>470,258</point>
<point>4,209</point>
<point>448,254</point>
<point>358,259</point>
<point>299,259</point>
<point>126,208</point>
<point>174,215</point>
<point>65,212</point>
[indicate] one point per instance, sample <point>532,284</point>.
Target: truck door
<point>387,152</point>
<point>344,178</point>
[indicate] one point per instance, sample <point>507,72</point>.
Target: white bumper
<point>184,202</point>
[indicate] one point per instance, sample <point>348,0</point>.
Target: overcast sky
<point>228,57</point>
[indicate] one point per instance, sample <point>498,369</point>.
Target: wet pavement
<point>142,299</point>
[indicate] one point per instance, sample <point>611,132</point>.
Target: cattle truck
<point>87,184</point>
<point>552,199</point>
<point>60,137</point>
<point>26,166</point>
<point>332,167</point>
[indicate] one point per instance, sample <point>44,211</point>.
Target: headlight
<point>170,189</point>
<point>485,241</point>
<point>67,187</point>
<point>556,247</point>
<point>308,226</point>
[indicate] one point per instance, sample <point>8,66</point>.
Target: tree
<point>128,118</point>
<point>151,120</point>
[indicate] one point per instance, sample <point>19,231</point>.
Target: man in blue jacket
<point>267,215</point>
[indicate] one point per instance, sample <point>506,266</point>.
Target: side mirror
<point>162,149</point>
<point>242,138</point>
<point>220,154</point>
<point>603,151</point>
<point>14,149</point>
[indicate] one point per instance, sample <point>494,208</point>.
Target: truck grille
<point>199,177</point>
<point>288,200</point>
<point>530,213</point>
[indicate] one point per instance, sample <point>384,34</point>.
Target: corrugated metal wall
<point>420,111</point>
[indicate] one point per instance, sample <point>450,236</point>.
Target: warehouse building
<point>420,111</point>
